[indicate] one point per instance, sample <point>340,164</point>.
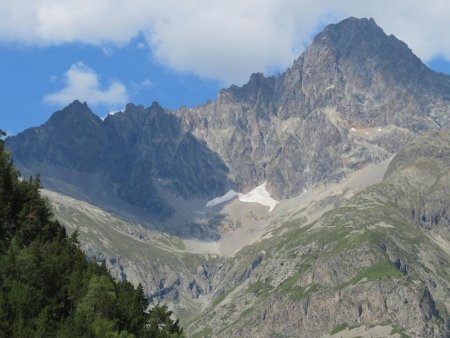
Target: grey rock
<point>293,130</point>
<point>123,161</point>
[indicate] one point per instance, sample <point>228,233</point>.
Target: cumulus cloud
<point>225,40</point>
<point>230,39</point>
<point>135,88</point>
<point>82,83</point>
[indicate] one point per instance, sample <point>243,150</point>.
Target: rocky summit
<point>123,161</point>
<point>314,203</point>
<point>355,96</point>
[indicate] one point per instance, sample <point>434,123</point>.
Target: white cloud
<point>82,83</point>
<point>141,45</point>
<point>146,83</point>
<point>230,39</point>
<point>224,39</point>
<point>135,88</point>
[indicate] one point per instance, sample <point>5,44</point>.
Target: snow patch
<point>110,113</point>
<point>258,195</point>
<point>222,199</point>
<point>353,129</point>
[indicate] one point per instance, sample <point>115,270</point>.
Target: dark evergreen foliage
<point>48,288</point>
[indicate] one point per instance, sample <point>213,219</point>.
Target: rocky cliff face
<point>363,264</point>
<point>372,79</point>
<point>425,166</point>
<point>295,130</point>
<point>122,162</point>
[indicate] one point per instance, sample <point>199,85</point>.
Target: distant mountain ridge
<point>126,157</point>
<point>354,97</point>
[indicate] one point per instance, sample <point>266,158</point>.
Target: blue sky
<point>109,53</point>
<point>30,73</point>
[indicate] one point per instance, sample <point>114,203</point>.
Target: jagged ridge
<point>128,158</point>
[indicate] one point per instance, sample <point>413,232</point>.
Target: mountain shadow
<point>135,163</point>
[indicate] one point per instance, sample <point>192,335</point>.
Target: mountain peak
<point>75,111</point>
<point>360,48</point>
<point>156,106</point>
<point>362,25</point>
<point>352,33</point>
<point>130,107</point>
<point>76,104</point>
<point>358,23</point>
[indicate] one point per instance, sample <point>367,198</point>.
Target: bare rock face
<point>366,263</point>
<point>123,162</point>
<point>426,165</point>
<point>373,79</point>
<point>294,130</point>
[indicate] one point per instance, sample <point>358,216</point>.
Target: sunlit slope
<point>368,262</point>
